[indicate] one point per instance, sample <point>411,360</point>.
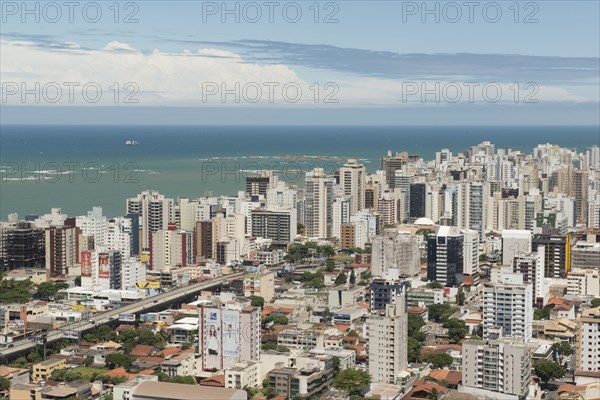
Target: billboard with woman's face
<point>211,338</point>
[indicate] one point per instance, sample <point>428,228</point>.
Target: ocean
<point>78,167</point>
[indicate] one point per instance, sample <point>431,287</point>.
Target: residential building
<point>445,258</point>
<point>500,366</point>
<point>588,341</point>
<point>388,336</point>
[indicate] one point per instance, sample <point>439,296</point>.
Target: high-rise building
<point>508,305</point>
<point>257,185</point>
<point>319,199</point>
<point>170,248</point>
<point>22,245</point>
<point>417,202</point>
<point>392,163</point>
<point>445,257</point>
<point>229,335</point>
<point>395,251</point>
<point>62,249</point>
<point>155,211</point>
<point>502,366</point>
<point>588,341</point>
<point>352,183</point>
<point>531,266</point>
<point>341,214</point>
<point>558,247</point>
<point>388,337</point>
<point>204,239</point>
<point>93,224</point>
<point>118,236</point>
<point>280,226</point>
<point>515,243</point>
<point>470,257</point>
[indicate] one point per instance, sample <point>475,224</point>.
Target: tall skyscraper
<point>22,245</point>
<point>155,210</point>
<point>445,261</point>
<point>388,337</point>
<point>319,199</point>
<point>417,202</point>
<point>352,183</point>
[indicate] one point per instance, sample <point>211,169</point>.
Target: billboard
<point>147,285</point>
<point>231,333</point>
<point>211,339</point>
<point>127,317</point>
<point>86,263</point>
<point>103,265</point>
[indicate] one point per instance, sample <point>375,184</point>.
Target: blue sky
<point>380,55</point>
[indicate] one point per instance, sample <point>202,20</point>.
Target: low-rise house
<point>242,375</point>
<point>187,364</point>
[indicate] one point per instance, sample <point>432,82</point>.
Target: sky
<point>331,62</point>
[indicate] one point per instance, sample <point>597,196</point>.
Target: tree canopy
<point>548,370</point>
<point>438,359</point>
<point>353,381</point>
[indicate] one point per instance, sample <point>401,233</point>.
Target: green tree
<point>89,360</point>
<point>115,360</point>
<point>352,277</point>
<point>250,391</point>
<point>562,348</point>
<point>257,301</point>
<point>434,285</point>
<point>353,333</point>
<point>433,394</point>
<point>456,329</point>
<point>414,350</point>
<point>58,375</point>
<point>336,365</point>
<point>460,297</point>
<point>269,346</point>
<point>548,370</point>
<point>20,362</point>
<point>541,313</point>
<point>438,359</point>
<point>269,392</point>
<point>341,279</point>
<point>330,265</point>
<point>4,383</point>
<point>353,381</point>
<point>596,302</point>
<point>71,376</point>
<point>34,357</point>
<point>440,312</point>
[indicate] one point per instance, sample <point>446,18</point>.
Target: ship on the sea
<point>132,143</point>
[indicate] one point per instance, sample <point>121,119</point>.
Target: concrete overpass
<point>25,346</point>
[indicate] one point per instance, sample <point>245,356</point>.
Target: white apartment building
<point>502,368</point>
<point>388,337</point>
<point>117,236</point>
<point>155,210</point>
<point>471,254</point>
<point>352,183</point>
<point>318,208</point>
<point>583,282</point>
<point>132,271</point>
<point>588,341</point>
<point>508,305</point>
<point>515,243</point>
<point>93,224</point>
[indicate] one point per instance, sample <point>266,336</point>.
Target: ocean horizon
<point>76,167</point>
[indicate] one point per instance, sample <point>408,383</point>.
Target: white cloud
<point>174,79</point>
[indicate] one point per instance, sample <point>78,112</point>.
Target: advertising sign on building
<point>86,263</point>
<point>231,333</point>
<point>103,265</point>
<point>211,338</point>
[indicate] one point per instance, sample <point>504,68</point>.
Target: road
<point>108,316</point>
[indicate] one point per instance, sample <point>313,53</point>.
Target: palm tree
<point>433,394</point>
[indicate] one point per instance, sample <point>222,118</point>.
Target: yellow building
<point>43,370</point>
